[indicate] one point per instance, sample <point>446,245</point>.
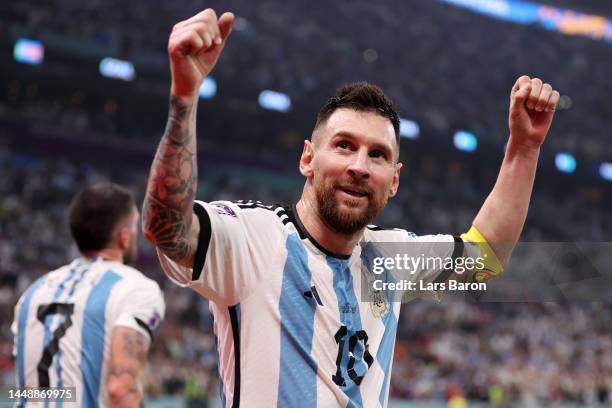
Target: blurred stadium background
<point>84,94</point>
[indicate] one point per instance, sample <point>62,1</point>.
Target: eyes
<point>345,145</point>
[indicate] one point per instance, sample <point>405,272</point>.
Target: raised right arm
<point>167,214</point>
<point>168,220</point>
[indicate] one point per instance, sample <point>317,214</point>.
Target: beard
<point>342,221</point>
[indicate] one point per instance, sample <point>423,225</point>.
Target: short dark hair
<point>364,97</point>
<point>96,211</point>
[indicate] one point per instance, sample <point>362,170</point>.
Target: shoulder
<point>32,287</point>
<point>46,283</point>
<point>53,278</point>
<point>131,278</point>
<point>135,292</point>
<point>374,233</point>
<point>247,211</point>
<point>227,207</point>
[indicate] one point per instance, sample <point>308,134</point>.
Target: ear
<point>395,181</point>
<point>306,159</point>
<point>123,238</point>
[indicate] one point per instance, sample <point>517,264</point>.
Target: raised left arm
<point>502,216</point>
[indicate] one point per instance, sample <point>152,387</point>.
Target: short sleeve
<point>442,255</point>
<point>236,242</point>
<point>140,306</point>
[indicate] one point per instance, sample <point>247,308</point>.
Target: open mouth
<point>354,192</point>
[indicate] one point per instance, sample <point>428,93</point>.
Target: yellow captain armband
<point>492,267</point>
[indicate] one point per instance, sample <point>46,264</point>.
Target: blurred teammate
<point>89,324</point>
<point>284,282</point>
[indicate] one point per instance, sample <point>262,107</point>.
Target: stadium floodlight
<point>605,171</point>
<point>274,101</point>
<point>118,69</point>
<point>409,129</point>
<point>495,8</point>
<point>465,141</point>
<point>28,51</point>
<point>564,20</point>
<point>565,162</point>
<point>208,89</point>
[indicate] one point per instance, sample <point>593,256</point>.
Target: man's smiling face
<point>354,168</point>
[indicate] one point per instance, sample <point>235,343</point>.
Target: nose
<point>359,167</point>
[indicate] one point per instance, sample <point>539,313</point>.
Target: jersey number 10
<point>358,336</point>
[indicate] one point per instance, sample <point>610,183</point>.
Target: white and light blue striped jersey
<point>291,325</point>
<point>64,323</point>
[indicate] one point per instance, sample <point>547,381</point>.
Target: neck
<point>110,254</point>
<point>325,236</point>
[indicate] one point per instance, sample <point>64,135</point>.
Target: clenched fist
<point>194,48</point>
<point>532,107</point>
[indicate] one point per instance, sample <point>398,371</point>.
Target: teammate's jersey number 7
<point>66,310</point>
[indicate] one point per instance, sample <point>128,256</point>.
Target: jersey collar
<point>304,234</point>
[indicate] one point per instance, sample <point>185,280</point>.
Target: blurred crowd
<point>445,67</point>
<point>535,354</point>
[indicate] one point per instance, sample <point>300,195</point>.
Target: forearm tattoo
<point>167,210</point>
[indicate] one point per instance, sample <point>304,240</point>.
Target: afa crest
<point>379,304</point>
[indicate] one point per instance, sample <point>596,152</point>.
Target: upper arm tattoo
<point>134,345</point>
<point>129,354</point>
<point>167,211</point>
